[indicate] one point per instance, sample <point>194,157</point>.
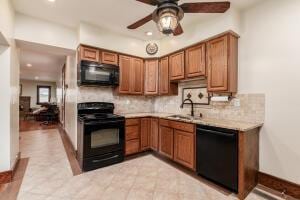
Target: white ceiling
<point>114,15</point>
<point>46,65</point>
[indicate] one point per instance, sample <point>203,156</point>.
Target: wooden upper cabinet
<point>151,77</point>
<point>166,141</point>
<point>109,58</point>
<point>184,148</point>
<point>131,75</point>
<point>125,73</point>
<point>164,82</point>
<point>145,133</point>
<point>154,135</point>
<point>195,61</point>
<point>137,76</point>
<point>176,62</point>
<point>89,54</point>
<point>222,55</point>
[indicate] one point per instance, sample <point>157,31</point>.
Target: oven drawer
<point>102,160</point>
<point>132,132</point>
<point>132,146</point>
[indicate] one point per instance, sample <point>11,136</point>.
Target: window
<point>43,94</point>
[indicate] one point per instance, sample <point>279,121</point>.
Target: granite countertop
<point>230,124</point>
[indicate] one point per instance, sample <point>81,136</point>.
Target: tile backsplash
<point>123,104</point>
<point>251,107</point>
<point>244,107</point>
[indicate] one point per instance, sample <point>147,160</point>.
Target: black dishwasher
<point>217,156</point>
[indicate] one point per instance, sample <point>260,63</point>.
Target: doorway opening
<point>42,86</point>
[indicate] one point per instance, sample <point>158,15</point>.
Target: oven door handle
<point>121,122</point>
<point>104,159</point>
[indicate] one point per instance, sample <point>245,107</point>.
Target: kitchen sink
<point>184,117</point>
<point>181,117</point>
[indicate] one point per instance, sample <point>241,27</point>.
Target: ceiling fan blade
<point>150,2</point>
<point>178,30</point>
<point>206,7</point>
<point>140,22</point>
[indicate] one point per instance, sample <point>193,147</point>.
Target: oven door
<point>97,75</point>
<point>103,137</point>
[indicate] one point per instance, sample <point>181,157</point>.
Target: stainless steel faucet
<point>192,107</point>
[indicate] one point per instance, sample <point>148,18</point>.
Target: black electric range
<point>101,135</point>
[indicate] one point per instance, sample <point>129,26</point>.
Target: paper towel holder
<point>230,96</point>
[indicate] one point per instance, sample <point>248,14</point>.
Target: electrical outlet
<point>236,102</point>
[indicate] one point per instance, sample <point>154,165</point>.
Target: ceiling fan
<point>168,13</point>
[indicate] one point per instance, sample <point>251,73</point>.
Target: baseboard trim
<point>7,176</point>
<point>283,186</point>
<point>70,151</point>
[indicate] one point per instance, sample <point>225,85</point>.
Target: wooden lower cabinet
<point>132,136</point>
<point>184,148</point>
<point>166,136</point>
<point>154,134</point>
<point>177,141</point>
<point>145,133</point>
<point>132,147</point>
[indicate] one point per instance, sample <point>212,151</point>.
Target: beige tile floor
<point>49,177</point>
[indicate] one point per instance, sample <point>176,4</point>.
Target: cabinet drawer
<point>183,126</point>
<point>178,125</point>
<point>130,122</point>
<point>132,132</point>
<point>132,146</point>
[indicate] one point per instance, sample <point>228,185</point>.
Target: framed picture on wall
<point>198,95</point>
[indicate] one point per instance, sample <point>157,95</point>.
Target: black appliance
<point>95,74</point>
<point>101,135</point>
<point>217,156</point>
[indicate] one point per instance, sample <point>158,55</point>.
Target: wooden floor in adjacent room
<point>31,125</point>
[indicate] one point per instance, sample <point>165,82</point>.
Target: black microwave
<point>95,74</point>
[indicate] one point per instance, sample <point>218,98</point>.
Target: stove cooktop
<point>99,116</point>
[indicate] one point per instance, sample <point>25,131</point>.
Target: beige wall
<point>47,33</point>
<point>29,88</point>
<point>9,87</point>
<point>269,63</point>
<point>71,99</point>
<point>98,37</point>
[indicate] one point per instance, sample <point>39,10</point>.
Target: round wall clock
<point>151,48</point>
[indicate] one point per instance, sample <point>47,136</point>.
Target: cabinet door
<point>137,76</point>
<point>166,141</point>
<point>145,133</point>
<point>154,134</point>
<point>109,58</point>
<point>184,148</point>
<point>132,147</point>
<point>177,66</point>
<point>217,64</point>
<point>125,73</point>
<point>89,54</point>
<point>132,132</point>
<point>195,61</point>
<point>151,77</point>
<point>164,76</point>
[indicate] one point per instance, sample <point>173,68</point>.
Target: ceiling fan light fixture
<point>167,21</point>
